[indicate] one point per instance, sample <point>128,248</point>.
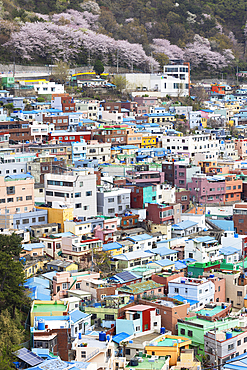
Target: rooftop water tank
<point>102,336</point>
<point>228,335</point>
<point>41,324</point>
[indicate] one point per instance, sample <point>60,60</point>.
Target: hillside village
<point>132,216</point>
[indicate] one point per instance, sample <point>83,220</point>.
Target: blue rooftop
<point>224,224</point>
<point>78,315</point>
<point>205,239</point>
<point>21,176</point>
<point>138,238</point>
<point>120,337</point>
<point>163,251</point>
<point>111,246</point>
<point>31,246</point>
<point>184,225</point>
<point>164,262</point>
<point>227,251</point>
<point>183,299</point>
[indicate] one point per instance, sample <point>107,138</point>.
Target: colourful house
<point>47,308</point>
<point>168,345</point>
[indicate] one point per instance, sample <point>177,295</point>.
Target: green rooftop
<point>146,364</point>
<point>140,287</point>
<point>209,311</point>
<point>50,307</point>
<point>167,342</point>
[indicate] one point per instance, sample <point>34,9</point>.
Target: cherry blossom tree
<point>165,47</point>
<point>199,54</point>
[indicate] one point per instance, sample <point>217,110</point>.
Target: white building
<point>200,290</point>
<point>77,191</point>
<point>191,145</point>
<point>202,249</point>
<point>174,82</point>
<point>99,151</point>
<point>165,193</point>
<point>47,87</point>
<point>195,119</point>
<point>114,201</point>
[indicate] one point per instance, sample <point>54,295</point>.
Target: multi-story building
<point>73,190</point>
<point>200,290</point>
<point>162,213</point>
<point>203,249</point>
<point>63,102</point>
<point>115,135</point>
<point>195,119</point>
<point>99,151</point>
<point>215,189</point>
<point>139,318</point>
<point>113,201</point>
<point>179,173</point>
<point>240,217</point>
<point>224,345</point>
<point>189,146</point>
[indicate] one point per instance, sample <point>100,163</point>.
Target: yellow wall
<point>72,267</point>
<point>46,313</point>
<point>172,351</point>
<point>148,142</point>
<point>58,215</point>
<point>33,269</point>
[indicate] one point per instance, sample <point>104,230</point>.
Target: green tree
<point>11,335</point>
<point>12,283</point>
<point>120,82</point>
<point>61,72</point>
<point>40,99</point>
<point>98,67</point>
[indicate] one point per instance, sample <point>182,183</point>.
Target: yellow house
<point>48,308</point>
<point>78,228</point>
<point>160,117</point>
<point>59,215</point>
<point>33,267</point>
<point>204,121</point>
<point>149,142</point>
<point>168,345</point>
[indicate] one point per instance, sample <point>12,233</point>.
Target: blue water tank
<point>228,335</point>
<point>162,330</point>
<point>102,336</point>
<point>108,337</point>
<point>41,324</point>
<point>211,276</point>
<point>79,336</point>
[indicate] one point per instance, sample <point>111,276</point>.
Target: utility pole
<point>117,60</point>
<point>89,58</point>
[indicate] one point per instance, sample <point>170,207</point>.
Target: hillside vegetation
<point>209,34</point>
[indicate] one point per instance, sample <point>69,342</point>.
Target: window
<point>109,317</point>
<point>111,210</point>
<point>190,255</point>
<point>84,354</point>
<point>239,342</point>
<point>245,339</point>
<point>77,285</point>
<point>182,331</point>
<point>49,245</point>
<point>176,290</point>
<point>88,193</point>
<point>10,200</point>
<point>29,197</point>
<point>77,195</point>
<point>190,333</point>
<point>25,221</point>
<point>41,219</point>
<point>239,293</point>
<point>19,199</point>
<point>230,346</point>
<point>78,205</point>
<point>10,190</point>
<point>110,200</point>
<point>64,285</point>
